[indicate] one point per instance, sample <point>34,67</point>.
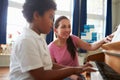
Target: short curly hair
<point>41,6</point>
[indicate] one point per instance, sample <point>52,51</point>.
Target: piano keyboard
<point>104,72</point>
<point>95,75</point>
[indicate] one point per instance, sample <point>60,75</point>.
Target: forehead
<point>64,21</point>
<point>50,12</point>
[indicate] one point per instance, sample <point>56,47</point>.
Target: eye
<point>63,26</point>
<point>69,26</point>
<point>52,17</point>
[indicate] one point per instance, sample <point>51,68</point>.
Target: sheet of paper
<point>117,35</point>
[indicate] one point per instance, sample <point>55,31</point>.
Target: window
<point>96,16</point>
<point>16,21</point>
<point>65,8</point>
<point>63,5</point>
<point>18,1</point>
<point>95,8</point>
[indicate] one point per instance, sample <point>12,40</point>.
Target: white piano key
<point>95,68</point>
<point>93,64</point>
<point>96,76</point>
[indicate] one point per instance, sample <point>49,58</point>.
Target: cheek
<point>45,23</point>
<point>48,23</point>
<point>61,33</point>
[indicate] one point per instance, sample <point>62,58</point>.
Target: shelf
<point>4,60</point>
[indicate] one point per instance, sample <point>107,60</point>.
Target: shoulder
<point>74,37</point>
<point>52,45</point>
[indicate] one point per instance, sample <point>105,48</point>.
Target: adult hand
<point>108,38</point>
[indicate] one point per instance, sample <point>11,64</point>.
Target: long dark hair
<point>70,45</point>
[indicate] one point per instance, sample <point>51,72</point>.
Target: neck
<point>61,42</point>
<point>34,28</point>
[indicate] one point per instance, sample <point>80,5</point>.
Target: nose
<point>68,29</point>
<point>52,21</point>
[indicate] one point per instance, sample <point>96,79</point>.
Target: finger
<point>88,64</point>
<point>109,38</point>
<point>89,69</point>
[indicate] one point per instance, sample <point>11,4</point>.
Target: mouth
<point>67,34</point>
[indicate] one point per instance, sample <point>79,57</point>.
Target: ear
<point>36,15</point>
<point>55,30</point>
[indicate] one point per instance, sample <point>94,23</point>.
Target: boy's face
<point>45,23</point>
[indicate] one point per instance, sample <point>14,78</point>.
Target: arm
<point>57,66</point>
<point>58,74</point>
<point>87,46</point>
<point>95,45</point>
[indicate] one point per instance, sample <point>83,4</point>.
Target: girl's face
<point>64,29</point>
<point>43,24</point>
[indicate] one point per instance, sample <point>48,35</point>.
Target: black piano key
<point>107,72</point>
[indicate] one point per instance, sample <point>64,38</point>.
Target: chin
<point>47,32</point>
<point>65,37</point>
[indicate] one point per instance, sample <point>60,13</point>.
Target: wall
<point>115,13</point>
<point>4,60</point>
<point>118,16</point>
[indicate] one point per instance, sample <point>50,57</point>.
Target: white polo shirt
<point>29,52</point>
